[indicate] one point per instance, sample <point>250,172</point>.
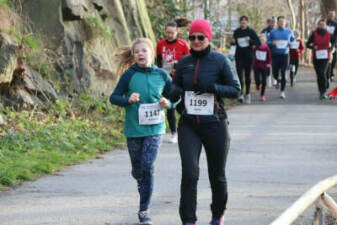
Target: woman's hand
<point>134,97</point>
<point>163,102</point>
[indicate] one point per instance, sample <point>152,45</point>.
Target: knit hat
<point>201,26</point>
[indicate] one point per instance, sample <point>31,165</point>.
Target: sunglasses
<point>199,37</point>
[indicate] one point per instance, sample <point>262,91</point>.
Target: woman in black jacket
<point>202,79</point>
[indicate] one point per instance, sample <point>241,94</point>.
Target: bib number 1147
<point>150,114</point>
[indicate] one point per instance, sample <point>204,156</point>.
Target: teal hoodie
<point>151,83</point>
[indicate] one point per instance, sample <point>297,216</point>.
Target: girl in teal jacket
<point>140,90</point>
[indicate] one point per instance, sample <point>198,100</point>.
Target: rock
<point>34,83</point>
<point>8,50</point>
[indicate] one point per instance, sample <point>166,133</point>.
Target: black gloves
<point>199,88</point>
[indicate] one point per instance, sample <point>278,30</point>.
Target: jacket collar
<point>143,69</point>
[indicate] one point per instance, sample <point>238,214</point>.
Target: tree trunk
<point>293,16</point>
<point>206,9</point>
<point>229,3</point>
<point>302,19</point>
<point>328,5</point>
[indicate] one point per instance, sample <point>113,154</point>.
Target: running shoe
<point>240,98</point>
<point>282,95</point>
<point>247,99</point>
<point>144,218</point>
<point>217,221</point>
<point>333,94</point>
<point>323,96</point>
<point>173,139</point>
<point>262,98</point>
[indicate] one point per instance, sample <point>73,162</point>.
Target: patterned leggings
<point>143,152</point>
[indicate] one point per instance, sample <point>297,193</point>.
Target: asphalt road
<point>279,149</point>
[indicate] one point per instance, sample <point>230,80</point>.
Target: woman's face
<point>198,41</point>
<point>142,55</point>
<point>171,33</point>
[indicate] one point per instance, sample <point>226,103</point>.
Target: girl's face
<point>262,40</point>
<point>142,55</point>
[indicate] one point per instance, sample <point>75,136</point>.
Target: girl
<point>296,50</point>
<point>140,90</point>
<point>262,61</point>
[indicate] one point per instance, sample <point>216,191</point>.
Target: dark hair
<point>280,17</point>
<point>172,24</point>
<point>244,18</point>
<point>321,20</point>
<point>182,22</point>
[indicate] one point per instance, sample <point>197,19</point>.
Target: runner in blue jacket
<point>279,40</point>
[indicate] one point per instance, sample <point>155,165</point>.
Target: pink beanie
<point>201,26</point>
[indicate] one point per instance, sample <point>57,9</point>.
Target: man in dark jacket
<point>332,29</point>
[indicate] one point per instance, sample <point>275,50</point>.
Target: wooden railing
<point>317,192</point>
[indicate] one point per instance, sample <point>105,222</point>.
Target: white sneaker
<point>240,98</point>
<point>173,139</point>
<point>274,82</point>
<point>269,84</point>
<point>282,95</point>
<point>247,99</point>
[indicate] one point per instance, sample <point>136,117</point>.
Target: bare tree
<point>328,5</point>
<point>293,16</point>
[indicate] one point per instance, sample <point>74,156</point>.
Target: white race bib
<point>232,50</point>
<point>295,45</point>
<point>199,104</point>
<point>261,55</point>
<point>281,44</point>
<point>322,54</point>
<point>150,114</point>
<point>242,42</point>
<point>331,29</point>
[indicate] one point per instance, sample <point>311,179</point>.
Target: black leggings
<point>261,79</point>
<point>171,118</point>
<point>244,64</point>
<point>215,139</point>
<point>321,67</point>
<point>332,65</point>
<point>294,62</point>
<point>280,63</point>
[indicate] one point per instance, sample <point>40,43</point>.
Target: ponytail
<point>125,54</point>
<point>124,58</point>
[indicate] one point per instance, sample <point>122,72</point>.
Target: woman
<point>202,79</point>
<point>296,50</point>
<point>320,41</point>
<point>245,38</point>
<point>169,51</point>
<point>140,90</point>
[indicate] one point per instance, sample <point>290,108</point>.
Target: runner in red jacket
<point>169,51</point>
<point>296,50</point>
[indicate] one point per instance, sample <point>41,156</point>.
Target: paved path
<point>279,149</point>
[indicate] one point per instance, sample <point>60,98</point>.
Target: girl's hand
<point>134,97</point>
<point>163,102</point>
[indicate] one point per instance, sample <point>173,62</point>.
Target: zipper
<point>195,82</point>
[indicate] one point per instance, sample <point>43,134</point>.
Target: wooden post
<point>330,203</point>
<point>296,209</point>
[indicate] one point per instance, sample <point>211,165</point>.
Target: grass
<point>35,144</point>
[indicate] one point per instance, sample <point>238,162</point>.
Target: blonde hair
<point>125,54</point>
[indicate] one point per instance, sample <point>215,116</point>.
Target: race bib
<point>168,66</point>
<point>322,54</point>
<point>295,45</point>
<point>282,44</point>
<point>199,104</point>
<point>232,50</point>
<point>242,42</point>
<point>331,29</point>
<point>261,55</point>
<point>150,114</point>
